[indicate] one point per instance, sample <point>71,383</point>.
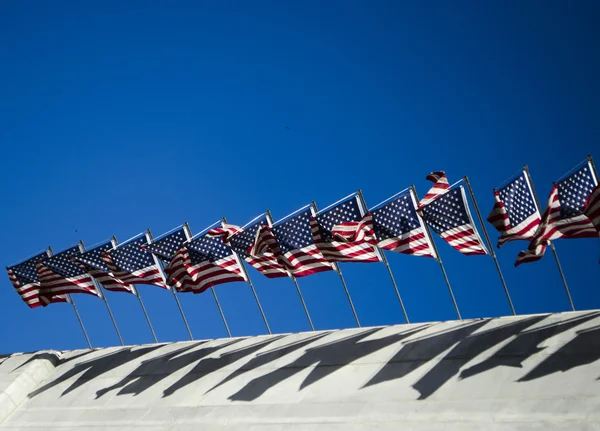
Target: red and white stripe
<point>500,220</point>
<point>352,245</point>
<point>225,232</point>
<point>592,208</point>
<point>465,239</point>
<point>267,265</point>
<point>107,280</point>
<point>415,242</point>
<point>553,227</point>
<point>440,186</point>
<point>29,292</point>
<point>52,284</point>
<point>148,275</point>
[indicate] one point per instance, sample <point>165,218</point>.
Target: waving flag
<point>132,264</point>
<point>242,240</point>
<point>592,208</point>
<point>59,275</point>
<point>449,216</point>
<point>398,227</point>
<point>225,232</point>
<point>25,280</point>
<point>440,186</point>
<point>290,241</point>
<point>515,214</point>
<point>564,217</point>
<point>91,262</point>
<point>351,248</point>
<point>165,246</point>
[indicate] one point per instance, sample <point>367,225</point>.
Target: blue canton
<point>93,259</point>
<point>166,247</point>
<point>294,233</point>
<point>131,257</point>
<point>207,249</point>
<point>574,190</point>
<point>518,200</point>
<point>241,242</point>
<point>343,212</point>
<point>26,271</point>
<point>61,264</point>
<point>447,212</point>
<point>395,218</point>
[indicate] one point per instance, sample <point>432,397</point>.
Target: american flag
<point>515,214</point>
<point>24,278</point>
<point>91,262</point>
<point>294,238</point>
<point>592,208</point>
<point>398,227</point>
<point>242,241</point>
<point>355,250</point>
<point>167,248</point>
<point>225,231</point>
<point>209,262</point>
<point>563,217</point>
<point>440,186</point>
<point>59,275</point>
<point>131,264</point>
<point>449,216</point>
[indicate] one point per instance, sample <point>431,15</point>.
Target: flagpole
<point>439,259</point>
<point>312,327</point>
<point>337,269</point>
<point>381,253</point>
<point>159,264</point>
<point>492,252</point>
<point>247,277</point>
<point>103,296</point>
<point>49,252</point>
<point>550,243</point>
<point>212,289</point>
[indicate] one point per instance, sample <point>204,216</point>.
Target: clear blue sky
<point>119,117</point>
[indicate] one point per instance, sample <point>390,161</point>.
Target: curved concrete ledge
<point>525,372</point>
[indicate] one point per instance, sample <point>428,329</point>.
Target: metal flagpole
<point>49,252</point>
<point>80,321</point>
<point>439,259</point>
<point>103,296</point>
<point>137,294</point>
<point>247,277</point>
<point>159,265</point>
<point>381,253</point>
<point>312,327</point>
<point>492,252</point>
<point>550,243</point>
<point>337,269</point>
<point>212,289</point>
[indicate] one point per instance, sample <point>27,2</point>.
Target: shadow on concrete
<point>581,350</point>
<point>95,368</point>
<point>153,370</point>
<point>525,345</point>
<point>54,358</point>
<point>467,349</point>
<point>326,358</point>
<point>209,365</point>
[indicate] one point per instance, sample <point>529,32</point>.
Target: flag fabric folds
<point>59,275</point>
<point>131,264</point>
<point>398,227</point>
<point>243,239</point>
<point>91,262</point>
<point>564,216</point>
<point>515,214</point>
<point>592,208</point>
<point>440,186</point>
<point>449,216</point>
<point>167,245</point>
<point>202,263</point>
<point>225,232</point>
<point>290,241</point>
<point>25,280</point>
<point>344,247</point>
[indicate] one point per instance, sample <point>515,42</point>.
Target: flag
<point>131,264</point>
<point>449,216</point>
<point>440,186</point>
<point>352,248</point>
<point>515,214</point>
<point>207,262</point>
<point>242,241</point>
<point>91,262</point>
<point>564,217</point>
<point>59,275</point>
<point>290,241</point>
<point>592,208</point>
<point>25,280</point>
<point>225,232</point>
<point>166,246</point>
<point>398,227</point>
<point>176,271</point>
<point>351,231</point>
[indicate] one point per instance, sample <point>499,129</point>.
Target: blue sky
<point>119,117</point>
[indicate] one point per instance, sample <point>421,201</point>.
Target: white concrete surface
<point>515,373</point>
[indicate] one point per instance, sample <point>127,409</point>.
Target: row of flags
<point>310,241</point>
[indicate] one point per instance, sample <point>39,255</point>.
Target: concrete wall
<point>529,372</point>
